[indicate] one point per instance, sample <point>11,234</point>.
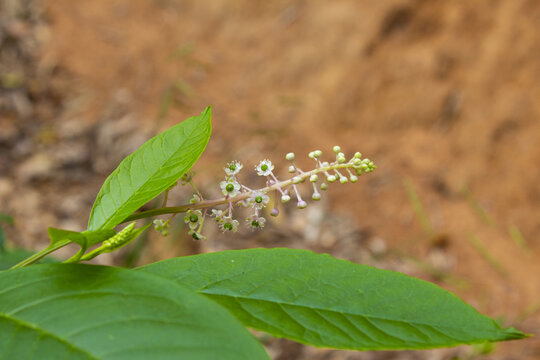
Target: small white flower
<point>196,235</point>
<point>218,214</point>
<point>193,218</point>
<point>233,168</point>
<point>258,199</point>
<point>264,168</point>
<point>229,224</point>
<point>230,187</point>
<point>158,224</point>
<point>162,226</point>
<point>255,222</point>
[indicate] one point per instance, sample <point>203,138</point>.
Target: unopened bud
<point>343,179</point>
<point>313,178</point>
<point>317,153</point>
<point>324,186</point>
<point>353,178</point>
<point>337,149</point>
<point>285,198</point>
<point>311,155</point>
<point>301,204</point>
<point>316,196</point>
<point>290,156</point>
<point>274,212</point>
<point>292,169</point>
<point>331,178</point>
<point>297,180</point>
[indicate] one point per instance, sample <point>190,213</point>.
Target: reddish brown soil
<point>442,95</point>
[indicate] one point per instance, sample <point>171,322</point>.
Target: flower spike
<point>237,194</point>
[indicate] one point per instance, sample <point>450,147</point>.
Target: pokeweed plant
<point>198,307</point>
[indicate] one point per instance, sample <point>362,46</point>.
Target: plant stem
<point>75,258</point>
<point>41,254</point>
<point>224,200</point>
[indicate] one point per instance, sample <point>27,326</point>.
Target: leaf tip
<point>207,110</point>
<point>511,333</point>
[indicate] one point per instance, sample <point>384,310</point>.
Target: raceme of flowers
<point>236,194</point>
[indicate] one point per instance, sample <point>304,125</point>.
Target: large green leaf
<point>74,311</point>
<point>323,301</point>
<point>150,170</point>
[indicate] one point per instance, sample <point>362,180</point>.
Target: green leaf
<point>84,239</point>
<point>96,236</point>
<point>150,170</point>
<point>60,235</point>
<point>74,311</point>
<point>323,301</point>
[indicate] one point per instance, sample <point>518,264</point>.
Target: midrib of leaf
<point>43,332</point>
<point>150,179</point>
<point>370,318</point>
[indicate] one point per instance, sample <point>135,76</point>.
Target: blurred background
<point>444,96</point>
